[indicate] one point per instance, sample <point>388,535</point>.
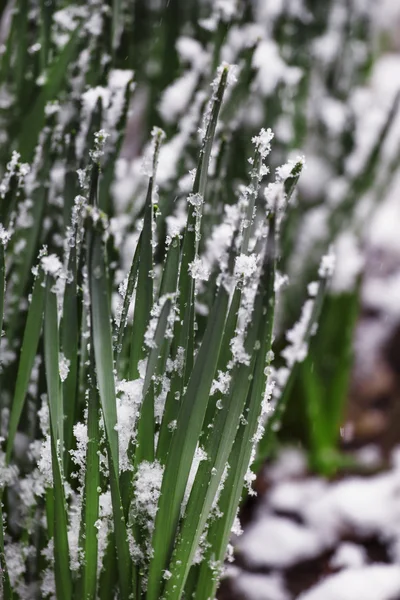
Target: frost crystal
<point>296,351</point>
<point>5,236</point>
<point>327,265</point>
<point>199,270</point>
<point>245,266</point>
<point>51,264</point>
<point>221,384</point>
<point>148,480</point>
<point>63,366</point>
<point>262,142</point>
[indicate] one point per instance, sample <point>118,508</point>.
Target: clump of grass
<point>139,311</point>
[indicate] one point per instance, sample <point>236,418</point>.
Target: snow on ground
<point>305,518</point>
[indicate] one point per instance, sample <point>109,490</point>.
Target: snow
<point>199,270</point>
<point>260,587</point>
<point>51,265</point>
<point>327,265</point>
<point>277,542</point>
<point>349,263</point>
<point>271,69</point>
<point>348,555</point>
<point>375,582</point>
<point>245,266</point>
<point>176,97</point>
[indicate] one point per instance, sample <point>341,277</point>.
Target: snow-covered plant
<point>138,280</point>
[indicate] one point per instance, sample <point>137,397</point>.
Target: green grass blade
<point>91,493</point>
<point>2,285</point>
<point>132,277</point>
<point>219,444</point>
<point>145,292</point>
<point>51,359</point>
<point>183,445</point>
<point>70,347</point>
<point>146,431</point>
<point>275,420</point>
<point>46,14</point>
<point>34,121</point>
<point>103,352</point>
<point>61,550</point>
<point>27,357</point>
<point>5,584</point>
<point>183,334</point>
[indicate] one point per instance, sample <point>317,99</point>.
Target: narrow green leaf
<point>27,357</point>
<point>146,430</point>
<point>91,493</point>
<point>145,292</point>
<point>132,277</point>
<point>183,445</point>
<point>5,586</point>
<point>70,347</point>
<point>35,119</point>
<point>184,327</point>
<point>2,285</point>
<point>103,352</point>
<point>222,435</point>
<point>51,359</point>
<point>275,419</point>
<point>61,550</point>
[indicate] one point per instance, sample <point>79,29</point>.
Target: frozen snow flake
<point>312,288</point>
<point>195,200</point>
<point>147,483</point>
<point>15,169</point>
<point>280,281</point>
<point>79,454</point>
<point>372,582</point>
<point>231,75</point>
<point>296,351</point>
<point>128,405</point>
<point>100,138</point>
<point>8,473</point>
<point>52,108</point>
<point>5,236</point>
<point>16,555</point>
<point>291,169</point>
<point>199,270</point>
<point>63,366</point>
<point>44,463</point>
<point>51,265</point>
<point>221,384</point>
<point>245,265</point>
<point>262,142</point>
<point>167,574</point>
<point>327,265</point>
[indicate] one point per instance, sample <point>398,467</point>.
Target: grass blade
<point>103,352</point>
<point>184,443</point>
<point>91,493</point>
<point>220,441</point>
<point>51,358</point>
<point>27,357</point>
